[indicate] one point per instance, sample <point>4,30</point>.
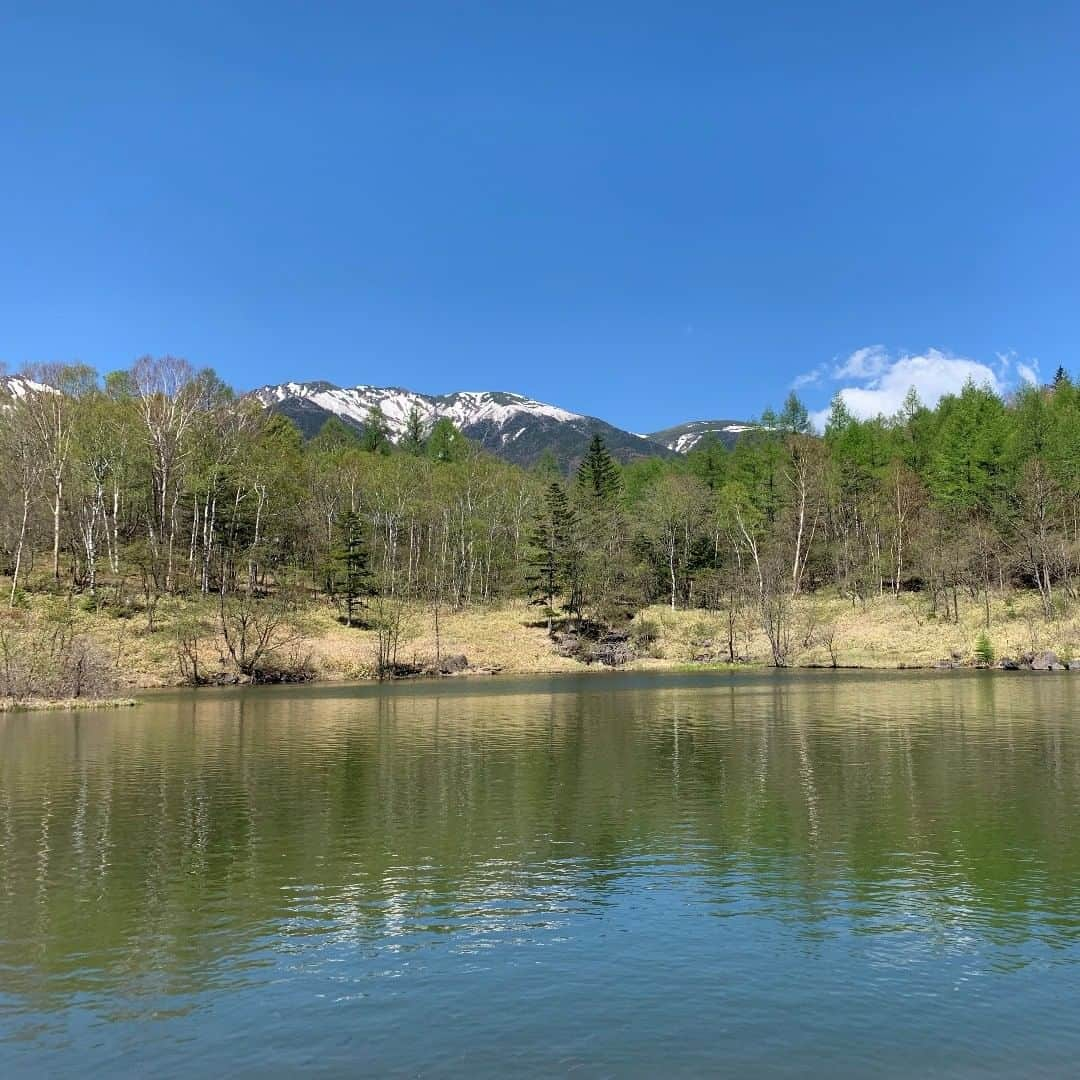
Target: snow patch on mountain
<point>685,437</point>
<point>465,408</point>
<point>18,386</point>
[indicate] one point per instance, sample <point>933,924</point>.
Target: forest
<point>126,490</point>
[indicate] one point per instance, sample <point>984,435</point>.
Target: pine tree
<point>351,563</point>
<point>1061,378</point>
<point>554,558</point>
<point>542,562</point>
<point>376,433</point>
<point>412,441</point>
<point>598,475</point>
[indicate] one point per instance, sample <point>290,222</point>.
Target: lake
<point>775,874</point>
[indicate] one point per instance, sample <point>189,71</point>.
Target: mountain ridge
<point>510,425</point>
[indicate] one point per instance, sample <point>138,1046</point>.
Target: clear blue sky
<point>646,211</point>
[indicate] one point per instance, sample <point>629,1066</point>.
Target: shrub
<point>49,661</point>
<point>984,651</point>
<point>257,632</point>
<point>644,633</point>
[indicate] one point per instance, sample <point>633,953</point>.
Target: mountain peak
<point>513,426</point>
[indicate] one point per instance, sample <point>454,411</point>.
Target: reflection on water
<point>775,873</point>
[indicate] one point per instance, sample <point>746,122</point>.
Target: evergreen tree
<point>554,560</point>
<point>708,461</point>
<point>967,468</point>
<point>376,437</point>
<point>542,561</point>
<point>446,443</point>
<point>598,475</point>
<point>351,563</point>
<point>412,441</point>
<point>335,434</point>
<point>1061,378</point>
<point>794,417</point>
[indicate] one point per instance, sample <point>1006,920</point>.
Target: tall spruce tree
<point>554,559</point>
<point>598,475</point>
<point>376,438</point>
<point>412,440</point>
<point>351,563</point>
<point>542,562</point>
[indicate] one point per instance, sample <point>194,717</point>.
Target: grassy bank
<point>43,705</point>
<point>885,632</point>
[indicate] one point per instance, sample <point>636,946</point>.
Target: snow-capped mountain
<point>684,437</point>
<point>512,426</point>
<point>18,385</point>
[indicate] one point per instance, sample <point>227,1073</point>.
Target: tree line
<point>159,480</point>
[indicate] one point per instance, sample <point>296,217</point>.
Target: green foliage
<point>547,468</point>
<point>968,459</point>
<point>446,443</point>
<point>598,475</point>
<point>708,461</point>
<point>553,558</point>
<point>351,564</point>
<point>794,417</point>
<point>984,650</point>
<point>413,440</point>
<point>336,435</point>
<point>163,483</point>
<point>376,436</point>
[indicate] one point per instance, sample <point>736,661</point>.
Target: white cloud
<point>884,381</point>
<point>1028,372</point>
<point>865,363</point>
<point>807,378</point>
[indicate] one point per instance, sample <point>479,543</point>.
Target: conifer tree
<point>351,560</point>
<point>376,433</point>
<point>446,443</point>
<point>412,441</point>
<point>542,562</point>
<point>794,417</point>
<point>598,475</point>
<point>554,559</point>
<point>335,435</point>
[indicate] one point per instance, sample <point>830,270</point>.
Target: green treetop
<point>598,475</point>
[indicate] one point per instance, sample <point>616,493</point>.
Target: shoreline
<point>827,631</point>
<point>753,667</point>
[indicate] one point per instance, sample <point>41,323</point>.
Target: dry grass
<point>493,639</point>
<point>886,632</point>
<point>41,705</point>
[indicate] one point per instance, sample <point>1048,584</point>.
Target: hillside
<point>682,438</point>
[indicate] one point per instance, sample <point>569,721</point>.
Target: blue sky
<point>647,211</point>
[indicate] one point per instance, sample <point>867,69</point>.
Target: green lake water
<point>627,875</point>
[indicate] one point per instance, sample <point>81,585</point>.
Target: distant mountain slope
<point>514,427</point>
<point>15,386</point>
<point>682,438</point>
